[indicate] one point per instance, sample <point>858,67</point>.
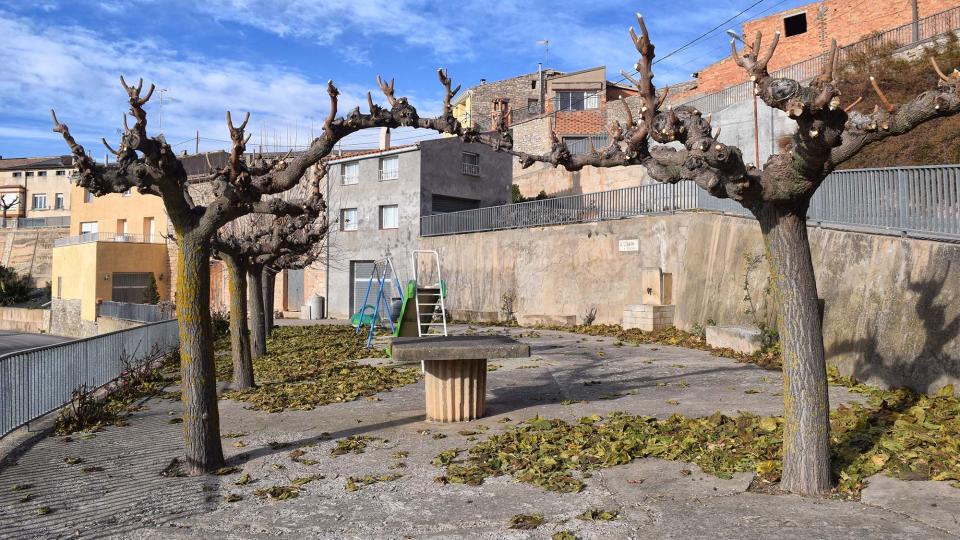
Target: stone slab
<point>743,339</point>
<point>417,349</point>
<point>546,320</point>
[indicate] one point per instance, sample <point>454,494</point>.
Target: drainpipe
<point>543,92</point>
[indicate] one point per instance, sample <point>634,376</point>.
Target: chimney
<point>384,138</point>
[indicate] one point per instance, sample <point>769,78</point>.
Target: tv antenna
<point>546,49</point>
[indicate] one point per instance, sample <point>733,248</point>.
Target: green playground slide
<point>407,324</point>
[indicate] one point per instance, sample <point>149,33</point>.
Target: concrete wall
<point>106,210</point>
<point>36,321</point>
<point>30,252</point>
<point>892,305</point>
<point>65,319</point>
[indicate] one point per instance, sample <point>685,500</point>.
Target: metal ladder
<point>428,297</point>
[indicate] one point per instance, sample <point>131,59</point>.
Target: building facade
<point>806,32</point>
<point>36,188</point>
<point>117,243</point>
<point>376,200</point>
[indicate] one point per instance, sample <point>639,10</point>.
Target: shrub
<point>13,288</point>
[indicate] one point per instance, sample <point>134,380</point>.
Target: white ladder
<point>429,296</point>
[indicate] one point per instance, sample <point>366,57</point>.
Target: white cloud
<point>75,71</point>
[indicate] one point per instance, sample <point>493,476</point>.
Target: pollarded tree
<point>247,246</point>
<point>777,195</point>
<point>150,165</point>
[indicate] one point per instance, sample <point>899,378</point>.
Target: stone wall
<point>64,320</point>
<point>892,304</point>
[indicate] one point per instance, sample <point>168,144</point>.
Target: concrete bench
<point>455,370</point>
<point>743,339</point>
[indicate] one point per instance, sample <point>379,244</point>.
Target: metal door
<point>295,290</point>
<point>359,277</point>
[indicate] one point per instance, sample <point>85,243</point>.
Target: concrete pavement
<point>655,498</point>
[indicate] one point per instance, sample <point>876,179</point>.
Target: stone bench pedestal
<point>455,371</point>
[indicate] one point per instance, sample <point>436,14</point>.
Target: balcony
<point>109,237</point>
<point>389,174</point>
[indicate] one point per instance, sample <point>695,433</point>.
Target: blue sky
<point>273,58</point>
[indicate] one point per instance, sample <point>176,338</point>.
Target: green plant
<point>151,295</point>
<point>757,311</point>
<point>221,324</point>
<point>13,288</point>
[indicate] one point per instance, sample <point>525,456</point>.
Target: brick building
<point>806,32</point>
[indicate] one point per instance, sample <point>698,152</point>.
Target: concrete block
<point>743,339</point>
<point>648,317</point>
<point>450,348</point>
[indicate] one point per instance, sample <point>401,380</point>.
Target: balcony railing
<point>389,174</point>
<point>109,237</point>
<point>472,169</point>
<point>35,223</point>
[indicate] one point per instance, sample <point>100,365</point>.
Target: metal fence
<point>127,311</point>
<point>902,36</point>
<point>915,201</point>
<point>38,381</point>
<point>35,223</point>
<point>109,237</point>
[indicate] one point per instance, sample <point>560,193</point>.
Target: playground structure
<point>421,304</point>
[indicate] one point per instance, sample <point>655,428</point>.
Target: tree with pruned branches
<point>778,195</point>
<point>248,246</point>
<point>5,206</point>
<point>149,164</point>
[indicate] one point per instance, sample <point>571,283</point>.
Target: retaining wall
<point>892,305</point>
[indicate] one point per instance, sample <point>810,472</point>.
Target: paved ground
<point>656,499</point>
<point>15,341</point>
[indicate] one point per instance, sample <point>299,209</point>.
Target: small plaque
<point>630,245</point>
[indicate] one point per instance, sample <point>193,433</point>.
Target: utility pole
<point>197,148</point>
<point>916,20</point>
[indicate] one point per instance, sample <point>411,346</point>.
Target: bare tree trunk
<point>269,286</point>
<point>806,437</point>
<point>258,337</point>
<point>201,419</point>
<point>239,333</point>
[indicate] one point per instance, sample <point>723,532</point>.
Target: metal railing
<point>471,169</point>
<point>35,223</point>
<point>912,201</point>
<point>389,174</point>
<point>109,237</point>
<point>902,36</point>
<point>582,145</point>
<point>146,313</point>
<point>39,381</point>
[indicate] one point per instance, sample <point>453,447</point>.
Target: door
<point>130,286</point>
<point>359,277</point>
<point>295,290</point>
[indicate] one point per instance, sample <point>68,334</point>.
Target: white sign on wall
<point>630,245</point>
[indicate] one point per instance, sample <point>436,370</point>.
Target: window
<point>28,173</point>
<point>389,217</point>
<point>121,229</point>
<point>61,173</point>
<point>533,105</point>
<point>41,173</point>
<point>88,227</point>
<point>795,25</point>
<point>17,174</point>
<point>87,196</point>
<point>577,100</point>
<point>348,219</point>
<point>389,168</point>
<point>471,163</point>
<point>349,173</point>
<point>58,201</point>
<point>39,201</point>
